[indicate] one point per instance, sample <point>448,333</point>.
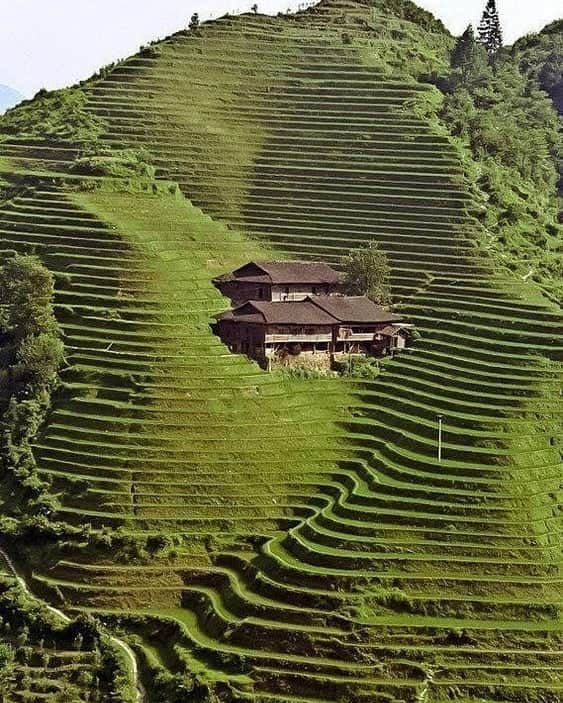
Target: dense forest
<point>502,107</point>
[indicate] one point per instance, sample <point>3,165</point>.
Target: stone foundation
<point>318,361</point>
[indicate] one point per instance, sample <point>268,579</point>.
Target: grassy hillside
<point>515,164</point>
<point>541,57</point>
<point>264,539</point>
<point>43,658</point>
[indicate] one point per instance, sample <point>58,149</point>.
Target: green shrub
<point>358,367</point>
<point>7,668</point>
<point>34,353</point>
<point>59,116</point>
<point>41,356</point>
<point>26,291</point>
<point>302,373</point>
<point>117,164</point>
<point>157,543</point>
<point>150,52</point>
<point>194,23</point>
<point>367,272</point>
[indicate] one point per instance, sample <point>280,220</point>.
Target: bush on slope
<point>516,161</point>
<point>56,115</point>
<point>42,658</point>
<point>540,56</point>
<point>32,353</point>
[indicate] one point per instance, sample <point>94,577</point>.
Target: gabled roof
<point>282,273</point>
<point>353,309</point>
<point>393,331</point>
<point>301,312</point>
<point>314,310</point>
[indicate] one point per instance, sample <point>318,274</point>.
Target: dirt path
<point>130,655</point>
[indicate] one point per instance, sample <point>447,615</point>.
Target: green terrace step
<point>369,557</point>
<point>305,98</point>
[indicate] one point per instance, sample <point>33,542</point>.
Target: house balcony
<point>357,337</point>
<point>298,338</point>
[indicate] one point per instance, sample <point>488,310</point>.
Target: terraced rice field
<point>52,671</point>
<point>321,551</point>
<point>57,673</point>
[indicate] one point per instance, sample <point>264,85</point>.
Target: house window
<point>315,290</point>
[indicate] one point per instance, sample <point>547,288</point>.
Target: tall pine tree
<point>462,54</point>
<point>469,57</point>
<point>490,30</point>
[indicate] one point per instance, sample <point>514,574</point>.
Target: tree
<point>7,668</point>
<point>156,543</point>
<point>490,30</point>
<point>462,53</point>
<point>41,356</point>
<point>551,78</point>
<point>27,289</point>
<point>194,22</point>
<point>366,272</point>
<point>468,56</point>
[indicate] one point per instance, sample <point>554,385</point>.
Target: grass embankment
<point>46,657</point>
<point>322,562</point>
<point>403,184</point>
<point>145,360</point>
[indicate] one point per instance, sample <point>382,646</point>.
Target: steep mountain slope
<point>516,163</point>
<point>283,540</point>
<point>541,57</point>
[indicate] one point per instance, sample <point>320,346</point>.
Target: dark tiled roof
<point>256,318</point>
<point>315,310</point>
<point>292,313</point>
<point>353,309</point>
<point>283,272</point>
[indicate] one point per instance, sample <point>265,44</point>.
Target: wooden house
<point>324,327</point>
<point>280,281</point>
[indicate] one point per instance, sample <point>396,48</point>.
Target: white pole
<point>440,438</point>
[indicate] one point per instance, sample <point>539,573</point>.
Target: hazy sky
<point>53,43</point>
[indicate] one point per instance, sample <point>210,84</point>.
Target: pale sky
<point>54,43</point>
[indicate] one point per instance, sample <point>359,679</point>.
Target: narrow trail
<point>142,696</point>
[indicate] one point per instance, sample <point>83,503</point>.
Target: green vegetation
<point>516,162</point>
<point>540,56</point>
<point>32,353</point>
<point>59,116</point>
<point>262,537</point>
<point>26,290</point>
<point>367,272</point>
<point>43,658</point>
<point>469,59</point>
<point>194,22</point>
<point>360,367</point>
<point>133,163</point>
<point>490,30</point>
